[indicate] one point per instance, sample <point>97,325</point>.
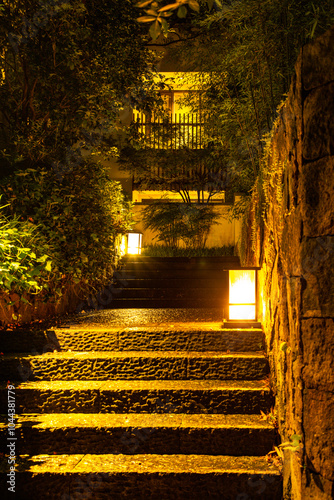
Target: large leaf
<point>171,6</point>
<point>146,19</point>
<point>155,30</point>
<point>194,5</point>
<point>182,12</point>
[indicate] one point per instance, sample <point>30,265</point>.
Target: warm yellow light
<point>242,294</point>
<point>242,312</point>
<point>242,286</point>
<point>134,243</point>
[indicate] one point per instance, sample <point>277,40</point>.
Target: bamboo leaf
<point>141,5</point>
<point>25,301</point>
<point>151,12</point>
<point>145,19</point>
<point>194,5</point>
<point>171,6</point>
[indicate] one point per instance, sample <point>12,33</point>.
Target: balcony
<point>172,131</point>
<point>178,156</point>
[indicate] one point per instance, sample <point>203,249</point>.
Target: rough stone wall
<point>295,247</point>
<point>34,309</point>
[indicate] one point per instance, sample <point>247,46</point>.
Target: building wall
<point>147,196</point>
<point>177,84</point>
<point>295,247</point>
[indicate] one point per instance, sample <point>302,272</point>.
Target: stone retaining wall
<point>35,309</point>
<point>295,248</point>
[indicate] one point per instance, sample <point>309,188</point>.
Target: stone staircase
<point>146,412</point>
<point>172,282</point>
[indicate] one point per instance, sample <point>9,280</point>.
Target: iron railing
<point>172,131</point>
<point>180,169</point>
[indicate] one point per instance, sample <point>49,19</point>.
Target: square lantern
<point>242,295</point>
<point>134,242</point>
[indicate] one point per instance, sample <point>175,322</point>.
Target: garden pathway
<point>140,404</point>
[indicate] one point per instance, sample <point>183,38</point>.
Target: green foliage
<point>267,194</point>
<point>294,443</point>
<point>23,266</point>
<point>160,16</point>
<point>277,455</point>
<point>79,219</point>
<point>175,222</point>
<point>162,217</point>
<point>67,70</point>
<point>165,251</point>
<point>173,166</point>
<point>319,17</point>
<point>245,61</point>
<point>270,417</point>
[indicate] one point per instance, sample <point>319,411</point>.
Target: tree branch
<point>173,41</point>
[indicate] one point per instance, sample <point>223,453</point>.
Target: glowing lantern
<point>134,243</point>
<point>242,294</point>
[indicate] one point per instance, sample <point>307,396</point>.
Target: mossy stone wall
<point>295,247</point>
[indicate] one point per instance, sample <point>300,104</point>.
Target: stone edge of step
<point>144,464</point>
<point>138,420</point>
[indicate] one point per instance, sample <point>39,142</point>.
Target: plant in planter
<point>180,222</point>
<point>164,251</point>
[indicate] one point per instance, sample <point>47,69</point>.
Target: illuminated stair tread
<point>137,421</point>
<point>135,385</point>
<point>84,420</point>
<point>146,464</point>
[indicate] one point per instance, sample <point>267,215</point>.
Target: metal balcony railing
<point>180,169</point>
<point>173,131</point>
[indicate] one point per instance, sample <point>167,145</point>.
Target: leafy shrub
<point>164,251</point>
<point>80,217</point>
<point>175,222</point>
<point>23,266</point>
<point>196,223</point>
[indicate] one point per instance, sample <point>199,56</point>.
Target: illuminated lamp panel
<point>134,243</point>
<point>242,294</point>
<point>242,312</point>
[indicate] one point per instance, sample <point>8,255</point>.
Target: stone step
<point>133,396</point>
<point>121,281</point>
<point>161,477</point>
<point>235,435</point>
<point>140,261</point>
<point>174,273</point>
<point>127,318</point>
<point>135,365</point>
<point>162,292</point>
<point>181,303</point>
<point>192,337</point>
